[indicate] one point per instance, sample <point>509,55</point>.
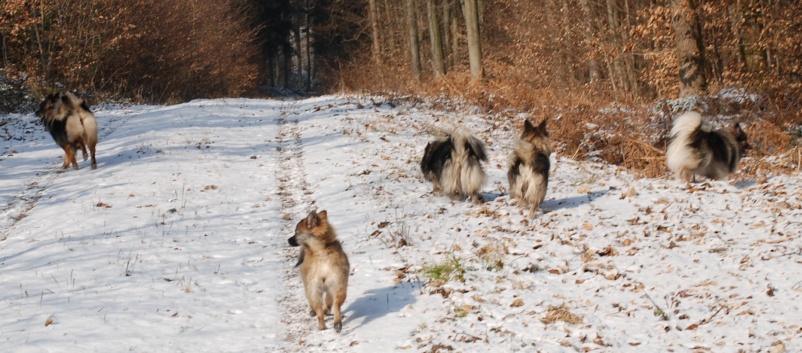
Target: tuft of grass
<point>450,269</point>
<point>661,314</point>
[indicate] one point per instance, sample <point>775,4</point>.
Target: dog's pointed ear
<point>322,216</point>
<point>311,220</point>
<point>542,127</point>
<point>528,127</point>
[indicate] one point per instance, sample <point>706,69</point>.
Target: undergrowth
<point>587,123</point>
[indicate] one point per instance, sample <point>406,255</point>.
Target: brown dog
<point>324,267</point>
<point>71,124</point>
<point>529,166</point>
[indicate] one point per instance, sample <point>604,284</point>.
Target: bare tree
<point>470,9</point>
<point>437,43</point>
<point>374,26</point>
<point>414,46</point>
<point>453,28</point>
<point>589,36</point>
<point>690,50</point>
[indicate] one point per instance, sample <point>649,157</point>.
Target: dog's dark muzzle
<point>292,241</point>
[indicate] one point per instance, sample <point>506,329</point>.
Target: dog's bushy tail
<point>463,174</point>
<point>473,145</point>
<point>680,155</point>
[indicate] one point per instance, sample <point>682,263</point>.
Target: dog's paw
<point>338,326</point>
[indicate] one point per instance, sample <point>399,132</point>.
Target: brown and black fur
<point>529,166</point>
<point>454,165</point>
<point>697,149</point>
<point>71,124</point>
<point>324,267</point>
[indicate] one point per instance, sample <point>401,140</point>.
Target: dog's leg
<point>66,163</point>
<point>685,175</point>
<point>314,296</point>
<point>327,309</point>
<point>92,154</point>
<point>532,210</point>
<point>477,199</point>
<point>83,151</point>
<point>69,157</point>
<point>321,321</point>
<point>437,190</point>
<point>339,300</point>
<point>79,144</point>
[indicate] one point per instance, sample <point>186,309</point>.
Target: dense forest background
<point>549,58</point>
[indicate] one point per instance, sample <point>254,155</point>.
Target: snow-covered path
<point>178,241</point>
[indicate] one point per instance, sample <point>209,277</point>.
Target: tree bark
<point>308,47</point>
<point>287,64</point>
<point>690,49</point>
<point>298,51</point>
<point>414,46</point>
<point>437,43</point>
<point>589,36</point>
<point>471,13</point>
<point>374,25</point>
<point>454,29</point>
<point>271,69</point>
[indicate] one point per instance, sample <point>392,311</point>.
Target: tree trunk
<point>557,21</point>
<point>471,13</point>
<point>374,25</point>
<point>414,46</point>
<point>271,69</point>
<point>617,70</point>
<point>454,29</point>
<point>437,44</point>
<point>589,35</point>
<point>287,64</point>
<point>299,62</point>
<point>308,48</point>
<point>629,58</point>
<point>690,50</point>
<point>390,28</point>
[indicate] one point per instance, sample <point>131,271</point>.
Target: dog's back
<point>529,166</point>
<point>719,152</point>
<point>697,149</point>
<point>71,124</point>
<point>324,267</point>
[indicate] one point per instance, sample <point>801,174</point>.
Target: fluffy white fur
<point>462,176</point>
<point>680,157</point>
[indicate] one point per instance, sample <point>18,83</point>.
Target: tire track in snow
<point>28,196</point>
<point>294,195</point>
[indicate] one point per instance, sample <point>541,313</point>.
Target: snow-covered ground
<point>178,241</point>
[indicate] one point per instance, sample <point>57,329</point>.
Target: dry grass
<point>589,123</point>
<point>560,313</point>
